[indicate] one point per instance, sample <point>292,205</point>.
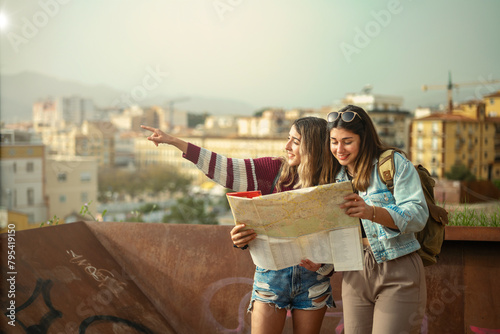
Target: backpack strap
<point>386,168</point>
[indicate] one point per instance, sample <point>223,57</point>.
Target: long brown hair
<point>316,162</point>
<point>370,148</point>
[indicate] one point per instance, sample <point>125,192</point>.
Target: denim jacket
<point>407,208</point>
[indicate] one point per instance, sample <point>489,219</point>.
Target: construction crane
<point>171,110</point>
<point>449,87</point>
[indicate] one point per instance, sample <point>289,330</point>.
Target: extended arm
<point>160,137</point>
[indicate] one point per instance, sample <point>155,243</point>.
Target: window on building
<point>30,167</point>
<point>31,196</point>
<point>14,167</point>
<point>435,127</point>
<point>84,197</point>
<point>434,143</point>
<point>420,143</point>
<point>62,198</point>
<point>85,177</point>
<point>420,127</point>
<point>61,177</point>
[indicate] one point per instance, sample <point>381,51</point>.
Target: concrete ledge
<point>168,278</point>
<point>472,233</point>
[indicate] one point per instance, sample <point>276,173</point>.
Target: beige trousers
<point>385,298</point>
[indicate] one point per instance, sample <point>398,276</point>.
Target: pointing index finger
<point>147,128</point>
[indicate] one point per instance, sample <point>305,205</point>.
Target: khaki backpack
<point>432,236</point>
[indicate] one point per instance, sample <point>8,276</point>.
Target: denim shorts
<point>291,288</point>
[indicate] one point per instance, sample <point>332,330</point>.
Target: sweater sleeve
<point>235,174</point>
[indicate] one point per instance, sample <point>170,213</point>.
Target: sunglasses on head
<point>347,116</point>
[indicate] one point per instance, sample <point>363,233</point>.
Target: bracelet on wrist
<point>326,270</point>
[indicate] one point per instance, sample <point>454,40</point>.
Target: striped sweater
<point>236,174</point>
<point>241,175</point>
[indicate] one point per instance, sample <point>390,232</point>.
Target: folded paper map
<point>298,224</point>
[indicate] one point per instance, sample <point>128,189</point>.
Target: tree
<point>258,113</point>
<point>196,119</point>
<point>163,177</point>
<point>190,210</point>
<point>460,172</point>
<point>154,178</point>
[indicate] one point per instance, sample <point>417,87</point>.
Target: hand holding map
<point>298,224</point>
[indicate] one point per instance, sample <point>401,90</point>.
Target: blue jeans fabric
<point>291,288</point>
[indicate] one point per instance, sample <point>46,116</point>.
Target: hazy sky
<point>282,53</point>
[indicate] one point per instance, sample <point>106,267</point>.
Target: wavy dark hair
<point>370,148</point>
<point>316,161</point>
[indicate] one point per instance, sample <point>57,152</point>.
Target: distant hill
<point>18,92</point>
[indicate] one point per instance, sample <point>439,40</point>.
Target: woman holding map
<point>308,163</point>
<point>389,294</point>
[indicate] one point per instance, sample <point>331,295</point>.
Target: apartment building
<point>466,136</point>
<point>22,167</point>
<point>59,112</point>
<point>47,114</point>
<point>391,122</point>
<point>71,183</point>
<point>10,219</point>
<point>91,139</point>
<point>492,102</point>
<point>274,122</point>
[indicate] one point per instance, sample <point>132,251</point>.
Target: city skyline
<point>279,54</point>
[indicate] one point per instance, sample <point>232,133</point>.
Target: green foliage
<point>148,207</point>
<point>460,172</point>
<point>196,119</point>
<point>135,217</point>
<point>152,178</point>
<point>53,221</point>
<point>496,183</point>
<point>190,210</point>
<point>86,211</point>
<point>258,113</point>
<point>473,217</point>
<point>223,200</point>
